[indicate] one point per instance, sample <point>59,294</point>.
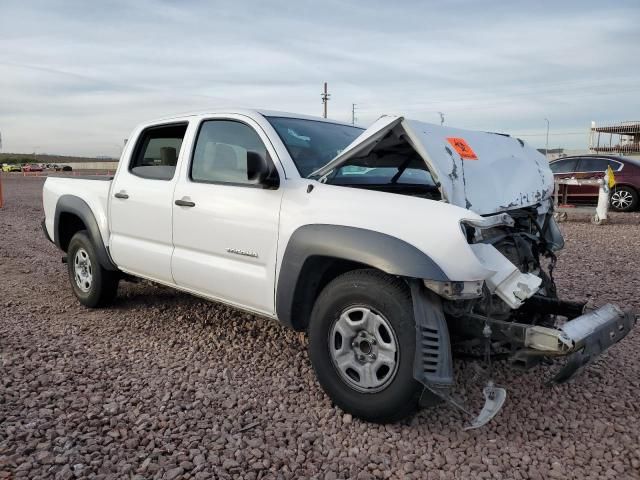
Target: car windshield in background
<point>313,143</point>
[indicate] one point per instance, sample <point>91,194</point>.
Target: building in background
<point>621,138</point>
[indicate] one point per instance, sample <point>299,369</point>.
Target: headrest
<point>168,156</point>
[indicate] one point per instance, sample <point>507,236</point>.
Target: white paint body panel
<point>94,192</point>
<point>227,217</point>
<point>188,248</point>
<point>507,173</point>
<point>511,285</point>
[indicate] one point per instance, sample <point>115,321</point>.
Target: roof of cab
<point>244,111</point>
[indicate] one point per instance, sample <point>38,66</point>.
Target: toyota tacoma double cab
<point>394,247</point>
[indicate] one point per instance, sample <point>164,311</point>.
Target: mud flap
<point>432,362</point>
<point>433,365</point>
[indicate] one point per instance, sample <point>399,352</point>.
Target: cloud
<point>75,77</point>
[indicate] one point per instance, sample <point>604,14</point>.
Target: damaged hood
<point>483,172</point>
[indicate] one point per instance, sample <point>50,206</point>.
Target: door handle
<point>185,203</point>
<point>121,194</point>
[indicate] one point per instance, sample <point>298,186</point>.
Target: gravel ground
<point>164,385</point>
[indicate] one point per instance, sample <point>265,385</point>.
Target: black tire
<point>387,296</point>
<point>103,284</point>
<point>623,199</point>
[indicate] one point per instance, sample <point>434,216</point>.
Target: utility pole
<point>353,114</point>
<point>441,118</point>
<point>546,148</point>
<point>325,98</point>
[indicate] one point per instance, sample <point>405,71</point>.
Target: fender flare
<point>377,250</point>
<point>78,207</point>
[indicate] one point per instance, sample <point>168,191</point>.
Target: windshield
<point>360,175</point>
<point>313,143</point>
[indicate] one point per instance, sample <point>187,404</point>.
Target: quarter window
<point>157,151</point>
<point>221,152</point>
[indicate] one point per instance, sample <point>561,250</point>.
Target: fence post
<point>1,193</point>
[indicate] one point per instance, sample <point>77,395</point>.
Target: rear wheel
<point>624,199</point>
<point>362,345</point>
<point>92,285</point>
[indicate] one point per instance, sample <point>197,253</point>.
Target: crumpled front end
<point>514,313</point>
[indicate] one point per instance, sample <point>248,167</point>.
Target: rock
<point>173,473</point>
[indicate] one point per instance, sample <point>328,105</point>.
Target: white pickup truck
<point>393,247</point>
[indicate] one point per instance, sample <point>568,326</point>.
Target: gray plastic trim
<point>77,206</point>
<point>378,250</point>
<point>433,363</point>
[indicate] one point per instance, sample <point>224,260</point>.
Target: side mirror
<point>260,171</point>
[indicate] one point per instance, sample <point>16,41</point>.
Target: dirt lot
<point>164,385</point>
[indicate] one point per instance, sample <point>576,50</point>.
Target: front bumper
<point>580,340</point>
<point>592,334</point>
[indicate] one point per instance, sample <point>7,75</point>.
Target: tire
<point>378,395</point>
<point>92,285</point>
<point>623,199</point>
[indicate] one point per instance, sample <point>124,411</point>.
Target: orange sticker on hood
<point>462,147</point>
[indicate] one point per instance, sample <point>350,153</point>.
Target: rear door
<point>225,229</point>
<point>141,203</point>
<point>590,168</point>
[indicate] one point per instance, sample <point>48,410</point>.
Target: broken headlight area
<point>456,290</point>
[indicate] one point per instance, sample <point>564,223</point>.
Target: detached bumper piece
<point>580,340</point>
<point>592,334</point>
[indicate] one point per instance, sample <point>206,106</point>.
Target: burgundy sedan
<point>625,194</point>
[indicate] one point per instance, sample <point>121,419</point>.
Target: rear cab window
<point>157,150</point>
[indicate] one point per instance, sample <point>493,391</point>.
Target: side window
<point>157,150</point>
<point>564,166</point>
<point>615,166</point>
<point>591,164</point>
<point>221,152</point>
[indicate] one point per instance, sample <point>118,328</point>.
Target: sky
<point>77,76</point>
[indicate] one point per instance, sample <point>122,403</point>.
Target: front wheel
<point>362,345</point>
<point>93,285</point>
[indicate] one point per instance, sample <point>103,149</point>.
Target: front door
<point>141,206</point>
<point>225,228</point>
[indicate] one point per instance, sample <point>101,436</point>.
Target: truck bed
<point>93,189</point>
